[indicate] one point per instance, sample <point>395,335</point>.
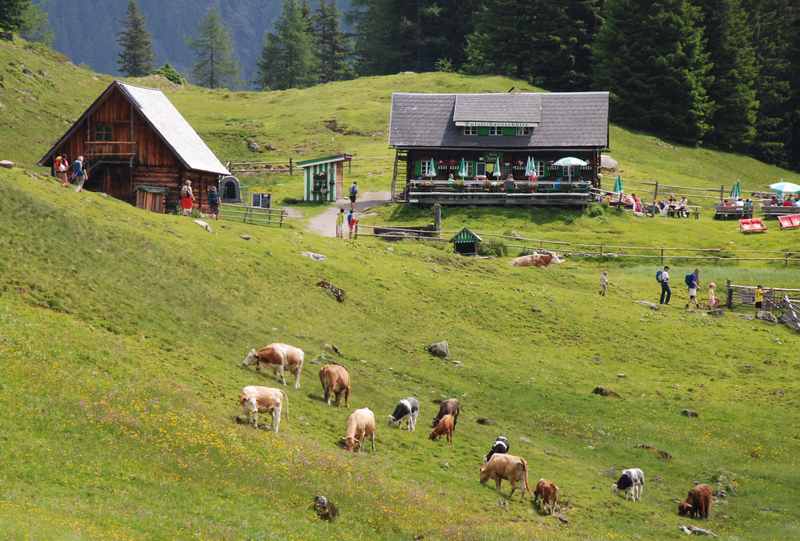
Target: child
<point>759,297</point>
<point>351,222</point>
<point>340,224</point>
<point>603,283</point>
<point>713,302</point>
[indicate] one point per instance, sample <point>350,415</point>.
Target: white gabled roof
<point>173,128</point>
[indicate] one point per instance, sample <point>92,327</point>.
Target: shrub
<point>493,247</point>
<point>171,74</point>
<point>595,210</point>
<point>445,65</point>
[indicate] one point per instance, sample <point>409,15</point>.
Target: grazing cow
<point>539,259</point>
<point>499,447</point>
<point>545,496</point>
<point>255,400</point>
<point>509,467</point>
<point>448,407</point>
<point>281,357</point>
<point>444,427</point>
<point>360,425</point>
<point>408,409</point>
<point>697,503</point>
<point>632,482</point>
<point>335,382</point>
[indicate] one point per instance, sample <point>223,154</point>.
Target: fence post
<point>786,260</point>
<point>655,192</point>
<point>730,295</point>
<point>601,250</point>
<point>662,256</point>
<point>437,217</point>
<point>291,167</point>
<point>721,193</point>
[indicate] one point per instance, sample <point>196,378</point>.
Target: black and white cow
<point>632,482</point>
<point>407,408</point>
<point>499,447</point>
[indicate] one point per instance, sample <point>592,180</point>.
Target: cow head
<point>484,474</point>
<point>393,421</point>
<point>250,358</point>
<point>350,444</point>
<point>684,509</point>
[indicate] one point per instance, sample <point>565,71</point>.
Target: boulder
<point>689,413</point>
<point>607,163</point>
<point>7,164</point>
<point>650,305</point>
<point>252,146</point>
<point>603,391</point>
<point>439,349</point>
<point>245,237</point>
<point>766,316</point>
<point>485,421</point>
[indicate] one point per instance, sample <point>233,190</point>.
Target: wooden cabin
<point>474,149</point>
<point>323,178</point>
<point>138,148</point>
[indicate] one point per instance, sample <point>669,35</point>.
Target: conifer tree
<point>215,66</point>
<point>652,57</point>
<point>136,47</point>
<point>288,59</point>
<point>331,44</point>
<point>730,47</point>
<point>35,25</point>
<point>11,12</point>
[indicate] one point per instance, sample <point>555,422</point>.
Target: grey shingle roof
<point>567,120</point>
<point>498,108</point>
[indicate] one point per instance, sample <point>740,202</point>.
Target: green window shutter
<point>418,168</point>
<point>483,130</point>
<point>509,131</point>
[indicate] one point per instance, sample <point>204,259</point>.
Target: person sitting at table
<point>682,210</point>
<point>773,201</point>
<point>450,178</point>
<point>638,209</point>
<point>787,202</point>
<point>739,203</point>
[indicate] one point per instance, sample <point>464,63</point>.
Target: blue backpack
<point>658,276</point>
<point>689,279</point>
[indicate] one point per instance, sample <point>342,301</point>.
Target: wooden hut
<point>323,178</point>
<point>466,242</point>
<point>138,148</point>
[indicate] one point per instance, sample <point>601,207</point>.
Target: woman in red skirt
<point>187,198</point>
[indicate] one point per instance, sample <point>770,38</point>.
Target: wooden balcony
<point>123,150</point>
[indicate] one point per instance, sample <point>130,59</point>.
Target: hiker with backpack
<point>61,167</point>
<point>353,195</point>
<point>692,283</point>
<point>662,277</point>
<point>213,202</point>
<point>79,175</point>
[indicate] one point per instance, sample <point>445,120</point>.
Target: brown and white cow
<point>538,259</point>
<point>545,496</point>
<point>509,467</point>
<point>444,427</point>
<point>697,503</point>
<point>255,399</point>
<point>280,357</point>
<point>360,426</point>
<point>335,382</point>
<point>451,406</point>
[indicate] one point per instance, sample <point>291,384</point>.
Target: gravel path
<point>325,224</point>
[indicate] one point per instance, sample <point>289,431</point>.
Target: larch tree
<point>332,46</point>
<point>136,47</point>
<point>216,66</point>
<point>288,59</point>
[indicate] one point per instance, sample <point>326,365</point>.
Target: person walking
<point>79,174</point>
<point>353,195</point>
<point>603,283</point>
<point>61,167</point>
<point>187,198</point>
<point>340,224</point>
<point>351,222</point>
<point>663,277</point>
<point>692,283</point>
<point>213,202</point>
<point>759,297</point>
<point>713,302</point>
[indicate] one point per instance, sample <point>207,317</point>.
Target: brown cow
<point>335,382</point>
<point>255,400</point>
<point>450,406</point>
<point>444,427</point>
<point>539,259</point>
<point>360,426</point>
<point>280,357</point>
<point>509,467</point>
<point>545,496</point>
<point>697,503</point>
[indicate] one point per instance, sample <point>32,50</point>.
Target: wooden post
<point>655,192</point>
<point>437,217</point>
<point>721,193</point>
<point>662,256</point>
<point>601,250</point>
<point>730,295</point>
<point>291,167</point>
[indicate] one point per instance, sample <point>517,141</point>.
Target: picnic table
<point>773,211</point>
<point>726,212</point>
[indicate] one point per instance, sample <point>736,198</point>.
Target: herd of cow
<point>498,464</point>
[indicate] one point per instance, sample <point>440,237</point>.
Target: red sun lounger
<point>789,221</point>
<point>752,225</point>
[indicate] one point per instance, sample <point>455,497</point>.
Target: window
<point>524,131</point>
<point>495,130</point>
<point>470,130</point>
<point>103,132</point>
<point>426,168</point>
<point>480,169</point>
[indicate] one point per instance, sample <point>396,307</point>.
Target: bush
<point>493,247</point>
<point>595,210</point>
<point>445,65</point>
<point>171,74</point>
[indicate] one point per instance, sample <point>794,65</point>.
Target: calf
<point>407,408</point>
<point>499,447</point>
<point>450,406</point>
<point>360,425</point>
<point>280,357</point>
<point>632,482</point>
<point>335,382</point>
<point>255,400</point>
<point>697,503</point>
<point>444,427</point>
<point>545,496</point>
<point>509,467</point>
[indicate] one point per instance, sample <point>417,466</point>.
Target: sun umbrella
<point>618,185</point>
<point>497,172</point>
<point>736,191</point>
<point>462,168</point>
<point>570,162</point>
<point>784,187</point>
<point>532,174</point>
<point>432,169</point>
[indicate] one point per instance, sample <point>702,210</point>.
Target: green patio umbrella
<point>497,172</point>
<point>736,191</point>
<point>618,185</point>
<point>462,168</point>
<point>432,169</point>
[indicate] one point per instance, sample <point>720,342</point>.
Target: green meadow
<point>122,334</point>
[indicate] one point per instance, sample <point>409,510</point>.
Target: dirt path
<point>325,224</point>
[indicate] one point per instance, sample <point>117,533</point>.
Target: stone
<point>335,292</point>
<point>333,348</point>
<point>439,349</point>
<point>204,225</point>
<point>650,305</point>
<point>603,391</point>
<point>7,164</point>
<point>485,421</point>
<point>524,439</point>
<point>314,256</point>
<point>562,519</point>
<point>766,316</point>
<point>245,237</point>
<point>716,312</point>
<point>621,375</point>
<point>252,146</point>
<point>689,413</point>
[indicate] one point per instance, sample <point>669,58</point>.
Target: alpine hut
<point>498,148</point>
<point>138,148</point>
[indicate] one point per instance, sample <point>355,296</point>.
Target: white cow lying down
<point>539,259</point>
<point>255,400</point>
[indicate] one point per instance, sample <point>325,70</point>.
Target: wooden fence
<point>254,168</point>
<point>252,215</point>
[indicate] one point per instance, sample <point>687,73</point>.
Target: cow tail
<point>525,469</point>
<point>286,402</point>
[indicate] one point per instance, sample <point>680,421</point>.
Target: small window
<point>426,168</point>
<point>524,131</point>
<point>495,130</point>
<point>103,132</point>
<point>470,130</point>
<point>480,169</point>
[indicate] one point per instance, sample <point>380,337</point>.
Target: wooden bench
<point>771,211</point>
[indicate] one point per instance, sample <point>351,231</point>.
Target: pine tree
<point>288,59</point>
<point>11,14</point>
<point>215,66</point>
<point>793,147</point>
<point>730,46</point>
<point>136,54</point>
<point>35,25</point>
<point>652,57</point>
<point>331,44</point>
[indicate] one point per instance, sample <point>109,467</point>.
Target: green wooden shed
<point>323,178</point>
<point>466,242</point>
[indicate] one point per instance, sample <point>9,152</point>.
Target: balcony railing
<point>106,149</point>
